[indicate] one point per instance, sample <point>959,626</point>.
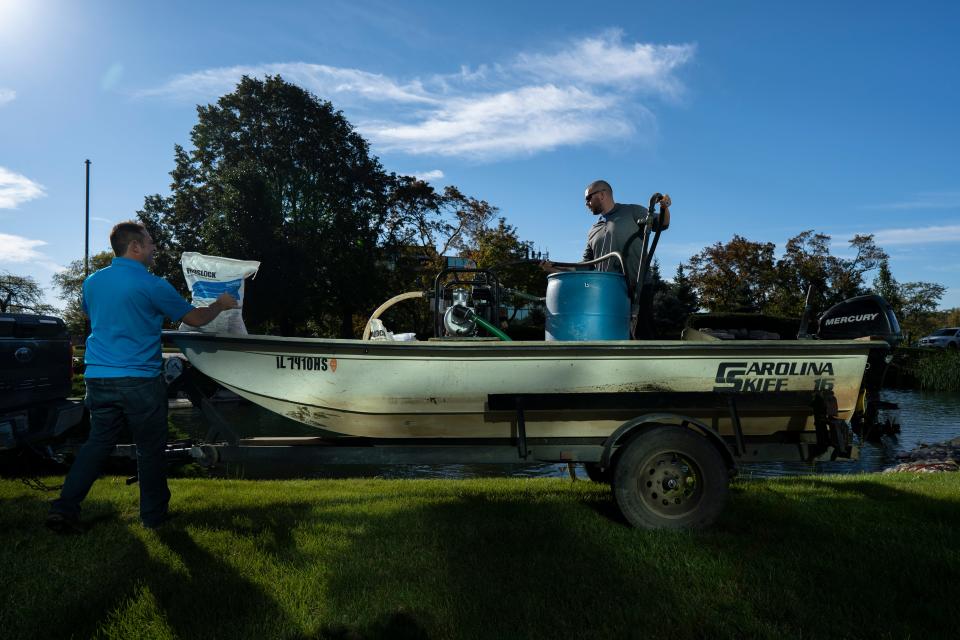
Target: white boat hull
<point>418,390</point>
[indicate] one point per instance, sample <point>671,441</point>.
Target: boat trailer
<point>679,463</point>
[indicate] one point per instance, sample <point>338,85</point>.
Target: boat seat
<point>693,335</point>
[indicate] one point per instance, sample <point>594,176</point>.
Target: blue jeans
<point>141,404</point>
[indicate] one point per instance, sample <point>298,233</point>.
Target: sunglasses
<point>593,193</point>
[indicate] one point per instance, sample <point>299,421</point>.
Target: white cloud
<point>535,102</point>
<point>323,80</point>
<point>7,95</point>
<point>926,200</point>
<point>429,176</point>
<point>526,120</point>
<point>16,188</point>
<point>606,60</point>
<point>919,235</point>
<point>19,249</point>
<point>99,219</point>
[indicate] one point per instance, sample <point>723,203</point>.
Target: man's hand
<point>663,220</point>
<point>225,301</point>
<point>202,315</point>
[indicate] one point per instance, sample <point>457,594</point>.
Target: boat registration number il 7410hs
<point>307,363</point>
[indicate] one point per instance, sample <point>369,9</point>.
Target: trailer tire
<point>669,477</point>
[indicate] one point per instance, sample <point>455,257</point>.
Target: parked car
<point>944,338</point>
<point>36,366</point>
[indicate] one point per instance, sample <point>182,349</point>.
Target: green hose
<point>492,329</point>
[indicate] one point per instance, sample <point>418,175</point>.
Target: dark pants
<point>141,404</point>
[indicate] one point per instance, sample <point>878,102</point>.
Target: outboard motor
<point>855,318</point>
<point>858,317</point>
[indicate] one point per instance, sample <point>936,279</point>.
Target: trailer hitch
<point>175,454</point>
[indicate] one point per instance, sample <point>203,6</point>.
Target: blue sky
<point>759,118</point>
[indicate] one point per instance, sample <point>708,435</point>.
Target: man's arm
<point>202,315</point>
<point>552,267</point>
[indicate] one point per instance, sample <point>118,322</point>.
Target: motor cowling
<point>858,317</point>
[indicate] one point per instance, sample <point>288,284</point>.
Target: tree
<point>917,314</point>
<point>846,274</point>
<point>423,227</point>
<point>500,248</point>
<point>806,262</point>
<point>672,304</point>
<point>951,317</point>
<point>887,287</point>
<point>279,176</point>
<point>70,283</point>
<point>22,294</point>
<point>742,275</point>
<point>736,276</point>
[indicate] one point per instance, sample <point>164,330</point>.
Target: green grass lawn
<point>866,556</point>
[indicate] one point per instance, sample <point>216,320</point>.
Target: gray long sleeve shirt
<point>618,231</point>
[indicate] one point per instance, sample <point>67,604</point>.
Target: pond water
<point>923,417</point>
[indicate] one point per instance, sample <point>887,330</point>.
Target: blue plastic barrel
<point>587,305</point>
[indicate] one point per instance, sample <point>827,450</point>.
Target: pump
<point>466,300</point>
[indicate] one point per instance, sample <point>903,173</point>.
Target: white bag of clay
<point>208,277</point>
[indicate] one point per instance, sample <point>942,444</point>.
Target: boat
<point>442,389</point>
<point>666,422</point>
<point>586,378</point>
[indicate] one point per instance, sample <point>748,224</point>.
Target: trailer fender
<point>633,428</point>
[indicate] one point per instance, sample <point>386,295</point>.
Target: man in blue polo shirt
<point>126,305</point>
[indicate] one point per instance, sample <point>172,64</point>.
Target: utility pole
<point>86,242</point>
<point>86,250</point>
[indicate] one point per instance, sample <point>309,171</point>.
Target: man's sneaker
<point>63,524</point>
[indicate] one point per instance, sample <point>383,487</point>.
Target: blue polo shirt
<point>126,305</point>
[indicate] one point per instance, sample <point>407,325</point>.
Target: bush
<point>938,370</point>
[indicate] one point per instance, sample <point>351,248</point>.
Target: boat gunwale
<point>480,349</point>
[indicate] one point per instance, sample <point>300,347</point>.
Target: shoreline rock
<point>929,458</point>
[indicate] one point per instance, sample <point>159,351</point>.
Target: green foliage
<point>742,275</point>
<point>500,249</point>
<point>736,276</point>
<point>22,294</point>
<point>673,303</point>
<point>937,370</point>
<point>914,303</point>
<point>78,387</point>
<point>278,176</point>
<point>435,558</point>
<point>806,262</point>
<point>846,274</point>
<point>918,307</point>
<point>70,283</point>
<point>887,287</point>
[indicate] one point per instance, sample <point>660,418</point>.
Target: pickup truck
<point>36,369</point>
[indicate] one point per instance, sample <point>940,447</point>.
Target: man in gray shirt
<point>616,229</point>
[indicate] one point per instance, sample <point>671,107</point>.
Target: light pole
<point>86,242</point>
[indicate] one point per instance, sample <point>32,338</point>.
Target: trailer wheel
<point>670,478</point>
